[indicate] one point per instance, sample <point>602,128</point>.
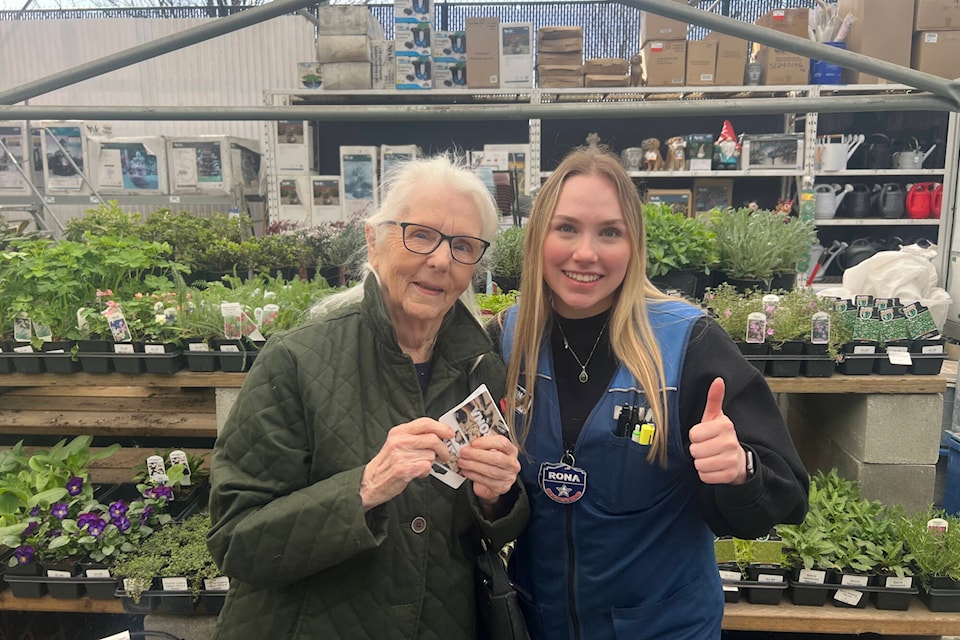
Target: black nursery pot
<point>781,365</point>
<point>6,357</point>
<point>858,358</point>
<point>884,367</point>
<point>62,582</point>
<point>25,580</point>
<point>95,356</point>
<point>927,356</point>
<point>770,583</point>
<point>818,363</point>
<point>165,358</point>
<point>58,358</point>
<point>756,354</point>
<point>99,582</point>
<point>200,357</point>
<point>128,362</point>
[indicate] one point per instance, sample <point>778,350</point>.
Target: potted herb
<point>342,251</point>
<point>680,249</point>
<point>506,258</point>
<point>933,539</point>
<point>731,309</point>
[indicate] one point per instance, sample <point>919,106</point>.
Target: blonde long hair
<point>631,335</point>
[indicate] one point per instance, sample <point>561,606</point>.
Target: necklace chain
<point>583,365</point>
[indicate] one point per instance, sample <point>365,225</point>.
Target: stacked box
<point>780,67</point>
<point>937,15</point>
<point>701,63</point>
<point>664,63</point>
<point>606,72</point>
<point>384,64</point>
<point>882,29</point>
<point>413,26</point>
<point>516,54</point>
<point>345,34</point>
<point>293,146</point>
<point>358,180</point>
<point>325,199</point>
<point>213,165</point>
<point>655,27</point>
<point>135,166</point>
<point>483,53</point>
<point>937,52</point>
<point>560,57</point>
<point>14,138</point>
<point>294,200</point>
<point>62,149</point>
<point>450,59</point>
<point>731,59</point>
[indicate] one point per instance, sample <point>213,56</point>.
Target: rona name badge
<point>562,483</point>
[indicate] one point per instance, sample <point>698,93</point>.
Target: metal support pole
<point>152,49</point>
<point>803,46</point>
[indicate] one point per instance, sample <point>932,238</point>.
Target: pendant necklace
<point>583,377</point>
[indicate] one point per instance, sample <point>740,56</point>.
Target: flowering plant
<point>730,308</point>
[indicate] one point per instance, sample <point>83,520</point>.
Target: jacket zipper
<point>571,576</point>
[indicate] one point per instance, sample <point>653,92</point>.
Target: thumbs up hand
<point>716,451</point>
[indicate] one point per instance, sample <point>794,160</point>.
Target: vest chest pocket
<point>624,481</point>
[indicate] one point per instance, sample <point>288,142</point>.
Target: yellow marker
<point>646,434</point>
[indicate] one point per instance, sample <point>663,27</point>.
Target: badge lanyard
<point>563,481</point>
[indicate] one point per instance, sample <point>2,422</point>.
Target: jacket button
<point>418,524</point>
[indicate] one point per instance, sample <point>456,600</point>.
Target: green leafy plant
<point>676,241</point>
<point>506,254</point>
<point>759,244</point>
<point>104,220</point>
<point>936,553</point>
<point>731,308</point>
<point>494,303</point>
<point>342,249</point>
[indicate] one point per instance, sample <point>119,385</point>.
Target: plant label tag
<point>199,347</point>
<point>179,457</point>
<point>854,581</point>
<point>895,582</point>
<point>249,327</point>
<point>899,355</point>
<point>156,468</point>
<point>123,347</point>
<point>231,313</point>
<point>937,525</point>
<point>270,313</point>
<point>154,349</point>
<point>43,331</point>
<point>220,583</point>
<point>820,328</point>
<point>769,578</point>
<point>174,584</point>
<point>932,349</point>
<point>756,328</point>
<point>731,589</point>
<point>848,596</point>
<point>27,348</point>
<point>730,576</point>
<point>770,302</point>
<point>229,348</point>
<point>118,325</point>
<point>98,573</point>
<point>812,576</point>
<point>57,573</point>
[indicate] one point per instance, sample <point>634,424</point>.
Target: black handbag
<point>498,611</point>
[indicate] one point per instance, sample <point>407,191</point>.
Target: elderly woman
<point>324,513</point>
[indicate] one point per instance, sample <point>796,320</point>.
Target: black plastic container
<point>200,358</point>
<point>816,363</point>
<point>884,367</point>
<point>25,580</point>
<point>99,582</point>
<point>756,354</point>
<point>765,584</point>
<point>28,362</point>
<point>858,358</point>
<point>62,582</point>
<point>163,358</point>
<point>129,362</point>
<point>95,356</point>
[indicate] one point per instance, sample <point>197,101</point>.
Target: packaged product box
<point>791,21</point>
<point>413,10</point>
<point>932,15</point>
<point>14,138</point>
<point>358,184</point>
<point>347,19</point>
<point>354,48</point>
<point>414,71</point>
<point>559,39</point>
<point>516,54</point>
<point>294,199</point>
<point>882,29</point>
<point>606,80</point>
<point>450,45</point>
<point>483,53</point>
<point>383,66</point>
<point>656,27</point>
<point>560,76</point>
<point>293,146</point>
<point>664,63</point>
<point>346,76</point>
<point>701,63</point>
<point>606,66</point>
<point>449,74</point>
<point>62,146</point>
<point>731,59</point>
<point>937,53</point>
<point>133,165</point>
<point>561,58</point>
<point>325,199</point>
<point>413,38</point>
<point>699,151</point>
<point>309,75</point>
<point>213,165</point>
<point>779,67</point>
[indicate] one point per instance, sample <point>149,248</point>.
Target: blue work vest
<point>633,558</point>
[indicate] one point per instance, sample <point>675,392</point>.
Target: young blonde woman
<point>643,430</point>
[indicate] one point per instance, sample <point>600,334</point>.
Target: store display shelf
<point>392,98</point>
<point>823,175</point>
<point>878,222</point>
<point>146,200</point>
<point>734,173</point>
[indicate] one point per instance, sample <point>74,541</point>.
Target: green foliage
<point>341,246</point>
<point>506,254</point>
<point>759,244</point>
<point>280,250</point>
<point>934,552</point>
<point>188,235</point>
<point>494,303</point>
<point>676,241</point>
<point>105,220</point>
<point>730,308</point>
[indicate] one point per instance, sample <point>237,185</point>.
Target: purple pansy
<point>86,518</point>
<point>59,510</point>
<point>121,523</point>
<point>118,509</point>
<point>29,531</point>
<point>35,511</point>
<point>162,492</point>
<point>146,515</point>
<point>96,526</point>
<point>24,554</point>
<point>74,486</point>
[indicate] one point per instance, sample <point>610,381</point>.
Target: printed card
<point>476,416</point>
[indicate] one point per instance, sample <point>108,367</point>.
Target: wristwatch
<point>750,468</point>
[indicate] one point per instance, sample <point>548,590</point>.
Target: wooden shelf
<point>787,617</point>
<point>839,383</point>
<point>179,379</point>
<point>46,603</point>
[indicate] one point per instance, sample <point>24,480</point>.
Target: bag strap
<point>495,572</point>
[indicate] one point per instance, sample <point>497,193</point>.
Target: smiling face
<point>587,249</point>
<point>418,289</point>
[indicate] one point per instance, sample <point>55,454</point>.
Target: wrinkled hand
<point>409,453</point>
<point>492,463</point>
<point>717,453</point>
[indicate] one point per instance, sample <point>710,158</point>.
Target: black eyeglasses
<point>419,238</point>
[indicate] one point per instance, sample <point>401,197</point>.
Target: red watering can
<point>919,199</point>
<point>936,201</point>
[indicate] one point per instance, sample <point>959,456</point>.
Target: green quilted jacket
<point>303,558</point>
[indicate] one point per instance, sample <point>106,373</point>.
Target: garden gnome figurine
<point>727,149</point>
<point>593,140</point>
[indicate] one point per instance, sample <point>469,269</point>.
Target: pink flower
<point>770,331</point>
<point>101,294</point>
<point>727,313</point>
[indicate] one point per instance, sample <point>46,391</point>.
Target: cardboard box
<point>449,74</point>
<point>569,82</point>
<point>294,200</point>
<point>12,182</point>
<point>882,29</point>
<point>701,62</point>
<point>347,19</point>
<point>559,39</point>
<point>414,71</point>
<point>937,53</point>
<point>413,38</point>
<point>562,58</point>
<point>359,193</point>
<point>325,194</point>
<point>560,71</point>
<point>606,80</point>
<point>60,175</point>
<point>606,66</point>
<point>213,165</point>
<point>343,49</point>
<point>129,165</point>
<point>779,67</point>
<point>656,27</point>
<point>664,63</point>
<point>483,53</point>
<point>383,66</point>
<point>293,146</point>
<point>791,21</point>
<point>346,76</point>
<point>516,54</point>
<point>731,59</point>
<point>450,45</point>
<point>933,15</point>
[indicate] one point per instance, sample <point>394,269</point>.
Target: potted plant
<point>755,246</point>
<point>680,249</point>
<point>506,258</point>
<point>933,539</point>
<point>342,251</point>
<point>282,250</point>
<point>731,309</point>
